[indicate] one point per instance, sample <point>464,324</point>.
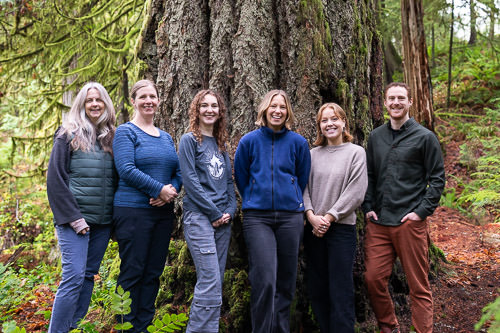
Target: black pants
<point>330,261</point>
<point>143,236</point>
<point>272,239</point>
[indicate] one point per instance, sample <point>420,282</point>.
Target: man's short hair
<point>398,84</point>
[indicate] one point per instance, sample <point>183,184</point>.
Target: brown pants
<point>410,243</point>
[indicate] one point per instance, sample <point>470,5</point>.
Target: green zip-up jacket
<point>405,174</point>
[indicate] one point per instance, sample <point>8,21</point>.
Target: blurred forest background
<point>50,48</point>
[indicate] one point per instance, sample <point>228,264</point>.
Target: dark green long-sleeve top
<point>405,172</point>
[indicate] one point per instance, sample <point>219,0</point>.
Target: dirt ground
<point>472,274</point>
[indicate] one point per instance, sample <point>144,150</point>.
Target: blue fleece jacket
<point>271,170</point>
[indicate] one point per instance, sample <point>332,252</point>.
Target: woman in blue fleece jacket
<point>272,167</point>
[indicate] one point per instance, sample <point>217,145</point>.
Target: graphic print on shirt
<point>215,163</point>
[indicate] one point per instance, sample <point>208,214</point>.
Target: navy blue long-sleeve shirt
<point>145,163</point>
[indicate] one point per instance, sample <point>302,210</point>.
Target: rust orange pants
<point>410,243</point>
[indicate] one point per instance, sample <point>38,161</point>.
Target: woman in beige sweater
<point>337,185</point>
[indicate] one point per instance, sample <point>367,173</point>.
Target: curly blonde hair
<point>220,131</point>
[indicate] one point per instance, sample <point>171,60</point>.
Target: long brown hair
<point>339,112</point>
<point>220,131</point>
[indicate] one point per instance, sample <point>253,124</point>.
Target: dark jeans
<point>272,239</point>
<point>143,236</point>
<point>330,284</point>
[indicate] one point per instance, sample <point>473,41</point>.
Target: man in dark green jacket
<point>405,181</point>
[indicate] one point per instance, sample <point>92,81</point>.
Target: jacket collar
<point>269,132</point>
<point>407,125</point>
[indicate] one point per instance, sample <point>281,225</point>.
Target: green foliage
<point>491,312</point>
<point>481,155</point>
<point>17,286</point>
<point>448,198</point>
<point>10,327</point>
<point>48,50</point>
<point>120,305</point>
<point>168,323</point>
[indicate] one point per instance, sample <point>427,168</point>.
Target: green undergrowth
<point>473,121</point>
<point>478,188</point>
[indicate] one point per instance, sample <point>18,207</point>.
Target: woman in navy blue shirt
<point>272,167</point>
<point>150,180</point>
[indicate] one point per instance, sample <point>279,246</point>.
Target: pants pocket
<point>204,316</point>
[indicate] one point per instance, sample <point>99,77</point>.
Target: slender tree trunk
<point>433,47</point>
<point>450,55</point>
<point>317,50</point>
<point>392,61</point>
<point>415,62</point>
<point>493,12</point>
<point>473,17</point>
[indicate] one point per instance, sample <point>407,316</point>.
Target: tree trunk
<point>450,56</point>
<point>433,47</point>
<point>318,51</point>
<point>493,12</point>
<point>415,62</point>
<point>473,16</point>
<point>392,61</point>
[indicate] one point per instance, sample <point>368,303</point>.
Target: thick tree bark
<point>415,60</point>
<point>317,50</point>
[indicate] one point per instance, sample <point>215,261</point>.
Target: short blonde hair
<point>339,112</point>
<point>264,105</point>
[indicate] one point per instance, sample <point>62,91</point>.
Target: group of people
<point>103,180</point>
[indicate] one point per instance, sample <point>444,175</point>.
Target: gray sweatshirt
<point>337,182</point>
<point>207,177</point>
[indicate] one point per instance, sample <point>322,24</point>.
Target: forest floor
<point>471,277</point>
<point>469,280</point>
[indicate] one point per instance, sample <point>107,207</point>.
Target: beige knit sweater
<point>337,182</point>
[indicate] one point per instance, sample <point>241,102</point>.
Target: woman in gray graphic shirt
<point>209,205</point>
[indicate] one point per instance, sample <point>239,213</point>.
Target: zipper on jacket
<point>272,173</point>
<point>251,190</point>
<point>296,191</point>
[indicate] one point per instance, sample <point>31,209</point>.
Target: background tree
<point>49,49</point>
<point>318,51</point>
<point>415,62</point>
<point>473,17</point>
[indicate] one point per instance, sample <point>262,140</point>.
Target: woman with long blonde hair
<point>81,180</point>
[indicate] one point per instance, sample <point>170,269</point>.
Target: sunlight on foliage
<point>48,50</point>
<point>491,312</point>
